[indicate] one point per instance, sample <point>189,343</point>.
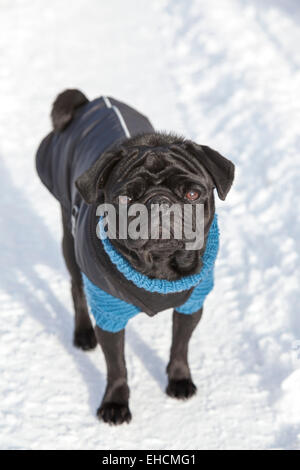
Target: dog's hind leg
<point>180,381</point>
<point>84,335</point>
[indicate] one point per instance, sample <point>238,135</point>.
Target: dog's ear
<point>64,107</point>
<point>219,168</point>
<point>92,181</point>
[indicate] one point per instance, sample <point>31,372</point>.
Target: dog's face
<point>165,170</point>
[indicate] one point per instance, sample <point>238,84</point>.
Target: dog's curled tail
<point>64,107</point>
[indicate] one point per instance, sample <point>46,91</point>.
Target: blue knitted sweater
<point>112,314</point>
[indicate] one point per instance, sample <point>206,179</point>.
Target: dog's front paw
<point>85,339</point>
<point>114,413</point>
<point>181,389</point>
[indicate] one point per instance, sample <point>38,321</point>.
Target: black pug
<point>99,151</point>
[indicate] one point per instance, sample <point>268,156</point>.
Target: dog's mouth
<point>160,259</point>
<point>162,264</point>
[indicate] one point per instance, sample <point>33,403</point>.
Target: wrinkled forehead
<point>156,162</point>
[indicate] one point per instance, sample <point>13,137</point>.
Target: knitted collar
<point>163,286</point>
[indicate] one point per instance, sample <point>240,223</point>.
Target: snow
<point>225,74</point>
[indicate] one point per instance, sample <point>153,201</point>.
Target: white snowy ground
<point>225,74</point>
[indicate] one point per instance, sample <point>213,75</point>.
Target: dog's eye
<point>192,195</point>
<point>124,199</point>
